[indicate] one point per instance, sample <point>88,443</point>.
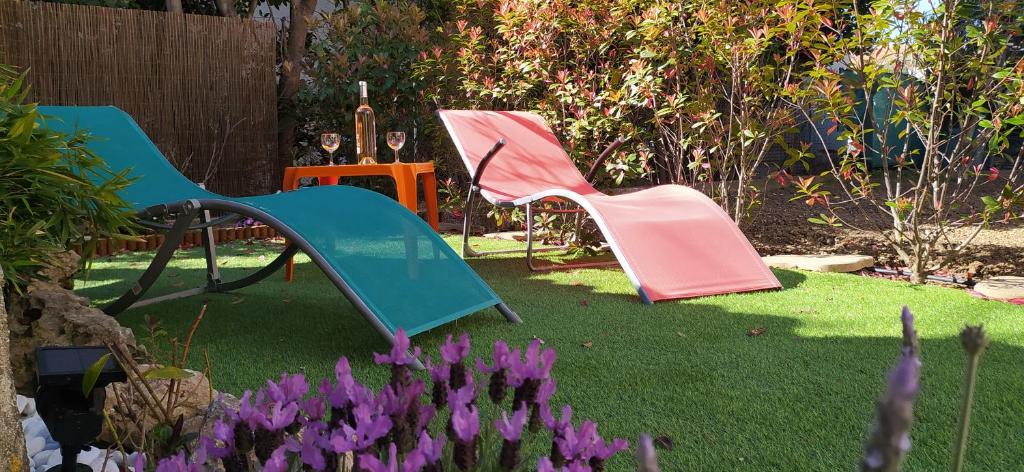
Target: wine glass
<point>330,142</point>
<point>396,139</point>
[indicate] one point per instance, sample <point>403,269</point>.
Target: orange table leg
<point>406,186</point>
<point>290,183</point>
<point>289,269</point>
<point>430,196</point>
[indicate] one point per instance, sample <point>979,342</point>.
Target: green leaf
<point>92,374</point>
<point>167,372</point>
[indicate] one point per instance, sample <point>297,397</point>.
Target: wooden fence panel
<point>202,87</point>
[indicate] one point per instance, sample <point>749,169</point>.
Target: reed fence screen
<point>202,87</point>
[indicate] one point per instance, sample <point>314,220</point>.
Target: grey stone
<point>47,314</point>
<point>820,263</point>
<point>1005,287</point>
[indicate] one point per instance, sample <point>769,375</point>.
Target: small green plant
<point>54,192</point>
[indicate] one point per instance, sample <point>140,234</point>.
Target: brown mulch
<point>781,227</point>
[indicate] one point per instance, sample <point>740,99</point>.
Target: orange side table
<point>404,174</point>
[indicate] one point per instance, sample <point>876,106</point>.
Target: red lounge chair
<point>672,241</point>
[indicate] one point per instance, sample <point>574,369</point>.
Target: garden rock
<point>47,313</point>
<point>1005,287</point>
<point>194,398</point>
<point>820,263</point>
<point>62,269</point>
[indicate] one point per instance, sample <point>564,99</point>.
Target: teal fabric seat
<point>386,260</point>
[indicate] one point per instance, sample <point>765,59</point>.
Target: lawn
<point>798,397</point>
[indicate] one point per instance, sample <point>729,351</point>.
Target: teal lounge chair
<point>395,270</point>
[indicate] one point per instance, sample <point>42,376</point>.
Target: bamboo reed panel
<point>202,87</point>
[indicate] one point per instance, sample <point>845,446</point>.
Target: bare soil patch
<point>781,227</point>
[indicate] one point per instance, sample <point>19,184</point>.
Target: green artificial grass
<point>800,396</point>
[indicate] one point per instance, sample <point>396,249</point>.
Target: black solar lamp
<point>73,418</point>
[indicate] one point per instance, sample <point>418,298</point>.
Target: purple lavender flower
<point>177,463</point>
<point>573,444</point>
<point>370,425</point>
<point>313,409</point>
<point>465,423</point>
<point>370,463</point>
<point>278,417</point>
<point>511,428</point>
<point>556,425</point>
<point>528,375</point>
<point>890,435</point>
<point>453,354</point>
<point>345,394</point>
<point>512,431</point>
<point>586,446</point>
<point>646,458</point>
<point>399,359</point>
<point>311,448</point>
<point>439,375</point>
<point>140,462</point>
<point>502,359</point>
<point>430,449</point>
<point>537,364</point>
<point>427,414</point>
<point>601,451</point>
<point>270,435</point>
<point>403,407</point>
<point>278,461</point>
<point>557,428</point>
<point>222,442</point>
<point>463,396</point>
<point>540,403</point>
<point>289,389</point>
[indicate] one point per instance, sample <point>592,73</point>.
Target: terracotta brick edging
<point>150,242</point>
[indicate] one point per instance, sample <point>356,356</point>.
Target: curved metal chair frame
<point>474,190</point>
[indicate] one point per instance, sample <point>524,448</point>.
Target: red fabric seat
<point>671,240</point>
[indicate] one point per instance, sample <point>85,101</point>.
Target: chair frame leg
<point>210,251</point>
<point>173,239</point>
<point>468,251</point>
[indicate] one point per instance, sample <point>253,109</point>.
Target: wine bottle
<point>366,129</point>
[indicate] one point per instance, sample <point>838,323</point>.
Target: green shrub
<point>376,42</point>
<point>54,193</point>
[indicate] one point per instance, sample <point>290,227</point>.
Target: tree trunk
<point>12,440</point>
<point>174,6</point>
<point>291,79</point>
<point>918,268</point>
<point>225,7</point>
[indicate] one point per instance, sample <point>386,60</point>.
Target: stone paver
<point>1006,287</point>
<point>821,262</point>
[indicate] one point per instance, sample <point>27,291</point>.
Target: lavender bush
<point>473,416</point>
<point>346,426</point>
